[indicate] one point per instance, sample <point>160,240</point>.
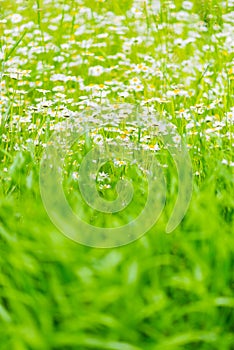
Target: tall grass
<point>162,291</point>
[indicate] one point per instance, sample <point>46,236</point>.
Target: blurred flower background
<point>70,60</point>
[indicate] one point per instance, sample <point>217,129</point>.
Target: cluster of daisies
<point>173,61</point>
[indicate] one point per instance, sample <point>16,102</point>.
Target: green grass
<point>163,291</point>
